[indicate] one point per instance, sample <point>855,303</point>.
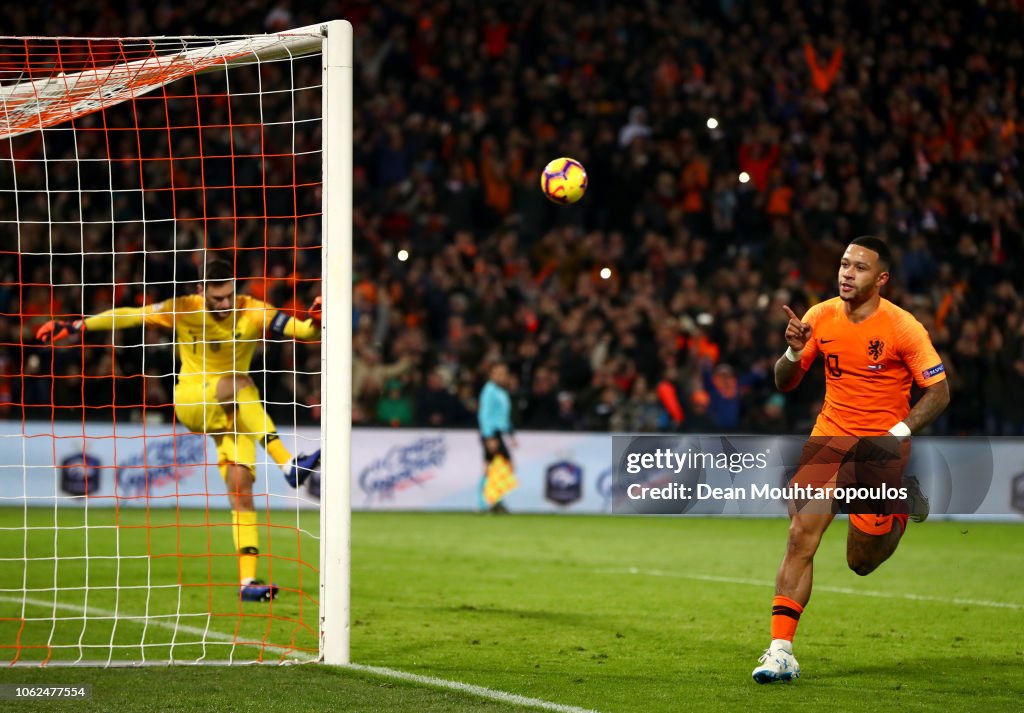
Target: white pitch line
<point>141,620</point>
<point>480,691</point>
<point>817,588</point>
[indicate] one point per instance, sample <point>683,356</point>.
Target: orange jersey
<point>869,367</point>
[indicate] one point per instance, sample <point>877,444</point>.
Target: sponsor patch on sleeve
<point>937,369</point>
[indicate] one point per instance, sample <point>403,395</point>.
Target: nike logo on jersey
<point>826,341</point>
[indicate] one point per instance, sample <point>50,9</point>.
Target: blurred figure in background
<point>495,420</point>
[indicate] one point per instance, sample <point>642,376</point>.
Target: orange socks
<point>785,616</point>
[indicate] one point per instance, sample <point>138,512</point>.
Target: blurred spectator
<point>769,417</point>
<point>899,120</point>
<point>395,407</point>
<point>436,405</point>
<point>635,128</point>
<point>724,398</point>
<point>641,412</point>
<point>823,76</point>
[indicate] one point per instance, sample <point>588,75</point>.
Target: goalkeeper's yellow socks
<point>277,451</point>
<point>247,541</point>
<point>252,418</point>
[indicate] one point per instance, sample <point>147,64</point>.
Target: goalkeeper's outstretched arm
<point>164,314</point>
<point>280,324</point>
<point>112,319</point>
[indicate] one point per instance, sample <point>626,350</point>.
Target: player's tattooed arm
<point>788,374</point>
<point>932,403</point>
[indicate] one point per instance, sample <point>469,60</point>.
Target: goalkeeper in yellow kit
<point>217,333</point>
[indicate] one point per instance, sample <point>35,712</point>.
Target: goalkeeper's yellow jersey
<point>208,346</point>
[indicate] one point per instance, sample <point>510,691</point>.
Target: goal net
<point>148,428</point>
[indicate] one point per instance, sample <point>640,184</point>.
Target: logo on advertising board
<point>403,467</point>
<point>605,485</point>
<point>1017,492</point>
<point>163,461</point>
<point>563,483</point>
<point>80,474</point>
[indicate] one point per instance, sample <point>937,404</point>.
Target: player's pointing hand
<point>797,332</point>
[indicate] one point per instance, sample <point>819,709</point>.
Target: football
<point>564,180</point>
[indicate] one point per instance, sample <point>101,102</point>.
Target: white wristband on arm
<point>900,430</point>
<point>792,355</point>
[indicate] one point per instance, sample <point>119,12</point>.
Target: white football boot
<point>777,663</point>
<point>918,501</point>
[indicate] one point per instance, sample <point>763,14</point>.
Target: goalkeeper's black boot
<point>257,591</point>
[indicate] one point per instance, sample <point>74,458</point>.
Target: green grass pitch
<point>599,613</point>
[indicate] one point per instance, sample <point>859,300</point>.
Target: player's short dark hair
<point>877,245</point>
<point>218,270</point>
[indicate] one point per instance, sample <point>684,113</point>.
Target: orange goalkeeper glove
<point>56,330</point>
<point>316,310</point>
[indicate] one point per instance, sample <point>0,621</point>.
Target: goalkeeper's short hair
<point>219,270</point>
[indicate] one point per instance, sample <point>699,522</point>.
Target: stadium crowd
<point>831,120</point>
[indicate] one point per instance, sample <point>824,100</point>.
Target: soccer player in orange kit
<point>872,351</point>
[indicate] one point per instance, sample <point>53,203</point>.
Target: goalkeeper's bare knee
<point>229,387</point>
<point>238,480</point>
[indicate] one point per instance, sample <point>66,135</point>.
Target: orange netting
<point>124,169</point>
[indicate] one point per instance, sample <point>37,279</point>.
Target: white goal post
<point>336,421</point>
<point>43,97</point>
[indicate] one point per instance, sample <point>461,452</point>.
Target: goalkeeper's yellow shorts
<point>197,408</point>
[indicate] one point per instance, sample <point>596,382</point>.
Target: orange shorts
<point>871,467</point>
<point>877,524</point>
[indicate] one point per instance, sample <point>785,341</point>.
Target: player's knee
<point>860,565</point>
<point>226,390</point>
<point>229,387</point>
<point>238,478</point>
<point>803,540</point>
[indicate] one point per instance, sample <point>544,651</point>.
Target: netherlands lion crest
<point>875,348</point>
